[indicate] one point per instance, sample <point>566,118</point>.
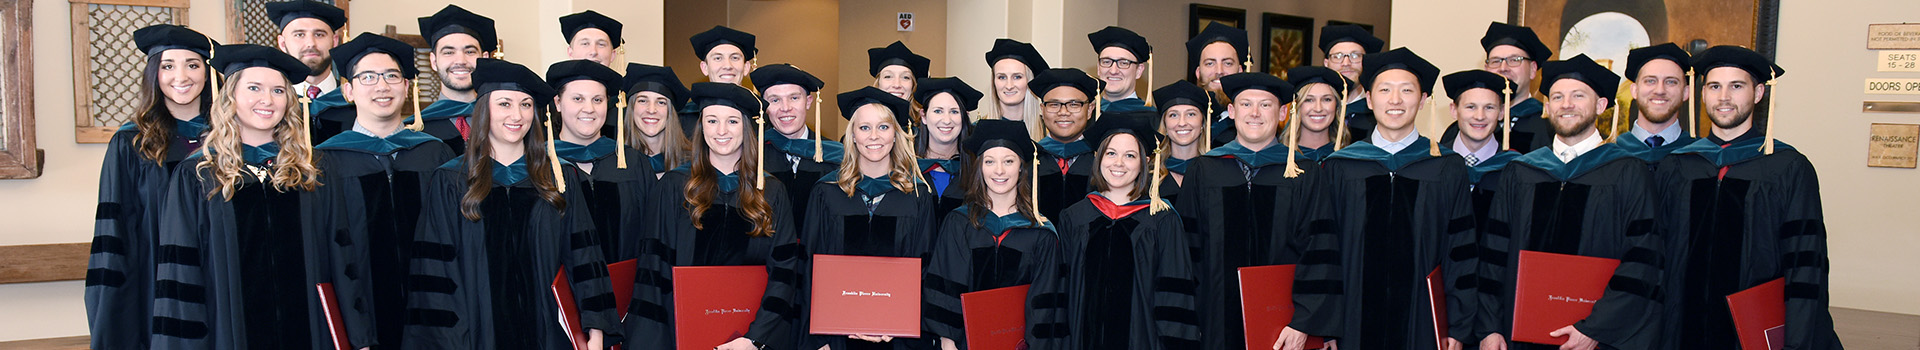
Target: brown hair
<point>292,168</point>
<point>703,181</point>
<point>677,150</point>
<point>979,197</point>
<point>153,121</point>
<point>1099,181</point>
<point>479,160</point>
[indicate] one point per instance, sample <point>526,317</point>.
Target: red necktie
<point>313,91</point>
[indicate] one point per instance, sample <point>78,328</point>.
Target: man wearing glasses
<point>1123,56</point>
<point>1345,45</point>
<point>1514,52</point>
<point>1065,94</point>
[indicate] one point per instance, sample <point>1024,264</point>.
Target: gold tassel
<point>1206,127</point>
<point>1693,122</point>
<point>1150,83</point>
<point>1098,93</point>
<point>1034,181</point>
<point>306,120</point>
<point>553,157</point>
<point>1433,146</point>
<point>1767,147</point>
<point>818,126</point>
<point>1340,115</point>
<point>620,133</point>
<point>1158,171</point>
<point>760,168</point>
<point>419,121</point>
<point>1293,142</point>
<point>213,48</point>
<point>1506,121</point>
<point>1613,126</point>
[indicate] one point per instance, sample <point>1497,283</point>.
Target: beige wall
<point>1450,41</point>
<point>1165,25</point>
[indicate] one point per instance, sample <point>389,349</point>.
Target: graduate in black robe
<point>1740,209</point>
<point>1208,69</point>
<point>1480,96</point>
<point>614,179</point>
<point>726,56</point>
<point>496,234</point>
<point>1065,161</point>
<point>1321,131</point>
<point>980,248</point>
<point>739,223</point>
<point>653,95</point>
<point>327,116</point>
<point>944,123</point>
<point>1242,195</point>
<point>1595,204</point>
<point>1663,96</point>
<point>1530,129</point>
<point>798,160</point>
<point>891,215</point>
<point>1129,280</point>
<point>242,239</point>
<point>1183,119</point>
<point>133,182</point>
<point>1346,46</point>
<point>1383,213</point>
<point>469,36</point>
<point>377,181</point>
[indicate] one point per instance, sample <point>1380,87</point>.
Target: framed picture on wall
<point>1200,15</point>
<point>1287,42</point>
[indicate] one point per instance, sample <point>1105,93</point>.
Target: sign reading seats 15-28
<point>1898,61</point>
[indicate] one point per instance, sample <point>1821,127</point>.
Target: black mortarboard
<point>1668,51</point>
<point>896,54</point>
<point>286,11</point>
<point>563,72</point>
<point>1738,57</point>
<point>1402,59</point>
<point>968,97</point>
<point>724,94</point>
<point>491,75</point>
<point>1179,93</point>
<point>1583,69</point>
<point>161,37</point>
<point>230,59</point>
<point>1008,48</point>
<point>661,80</point>
<point>1063,77</point>
<point>852,100</point>
<point>1331,35</point>
<point>1303,75</point>
<point>1144,126</point>
<point>349,53</point>
<point>775,74</point>
<point>572,24</point>
<point>1520,37</point>
<point>1122,38</point>
<point>1236,83</point>
<point>455,20</point>
<point>989,133</point>
<point>721,35</point>
<point>1459,82</point>
<point>1216,32</point>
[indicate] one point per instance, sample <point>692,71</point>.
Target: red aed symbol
<point>906,22</point>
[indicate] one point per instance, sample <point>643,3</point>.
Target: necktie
<point>313,91</point>
<point>1471,160</point>
<point>1656,141</point>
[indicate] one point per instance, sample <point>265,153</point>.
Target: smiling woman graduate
<point>996,240</point>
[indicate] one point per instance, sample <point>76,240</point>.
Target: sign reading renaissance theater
<point>1893,145</point>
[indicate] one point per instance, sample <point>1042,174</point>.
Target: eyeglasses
<point>1073,106</point>
<point>1345,56</point>
<point>369,78</point>
<point>1506,61</point>
<point>1123,63</point>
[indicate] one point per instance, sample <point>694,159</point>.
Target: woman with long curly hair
<point>997,240</point>
<point>722,210</point>
<point>240,234</point>
<point>166,128</point>
<point>499,231</point>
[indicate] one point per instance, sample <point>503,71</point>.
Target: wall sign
<point>1893,145</point>
<point>1893,36</point>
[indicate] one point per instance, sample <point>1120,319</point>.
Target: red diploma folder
<point>1266,305</point>
<point>1437,301</point>
<point>996,318</point>
<point>865,295</point>
<point>336,324</point>
<point>1554,291</point>
<point>621,274</point>
<point>715,304</point>
<point>569,311</point>
<point>1760,315</point>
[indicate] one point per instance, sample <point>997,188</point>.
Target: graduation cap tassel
<point>1150,75</point>
<point>1692,99</point>
<point>553,158</point>
<point>817,124</point>
<point>1206,128</point>
<point>1340,114</point>
<point>306,121</point>
<point>1767,147</point>
<point>620,132</point>
<point>760,169</point>
<point>1293,142</point>
<point>1613,126</point>
<point>1033,179</point>
<point>419,121</point>
<point>1433,146</point>
<point>1506,121</point>
<point>212,49</point>
<point>1158,171</point>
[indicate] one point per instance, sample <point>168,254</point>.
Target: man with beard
<point>726,56</point>
<point>1580,197</point>
<point>1217,52</point>
<point>308,31</point>
<point>1741,209</point>
<point>1346,46</point>
<point>1123,58</point>
<point>1662,86</point>
<point>1515,53</point>
<point>459,39</point>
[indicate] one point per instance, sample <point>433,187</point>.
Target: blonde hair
<point>1029,108</point>
<point>906,167</point>
<point>292,169</point>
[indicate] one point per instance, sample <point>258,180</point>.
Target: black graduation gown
<point>1530,129</point>
<point>119,287</point>
<point>672,241</point>
<point>1484,179</point>
<point>1652,155</point>
<point>1735,218</point>
<point>443,121</point>
<point>1377,224</point>
<point>1004,251</point>
<point>1170,192</point>
<point>239,273</point>
<point>486,284</point>
<point>954,194</point>
<point>1241,202</point>
<point>378,184</point>
<point>1359,121</point>
<point>616,197</point>
<point>330,115</point>
<point>1064,176</point>
<point>791,161</point>
<point>1596,206</point>
<point>1129,281</point>
<point>898,224</point>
